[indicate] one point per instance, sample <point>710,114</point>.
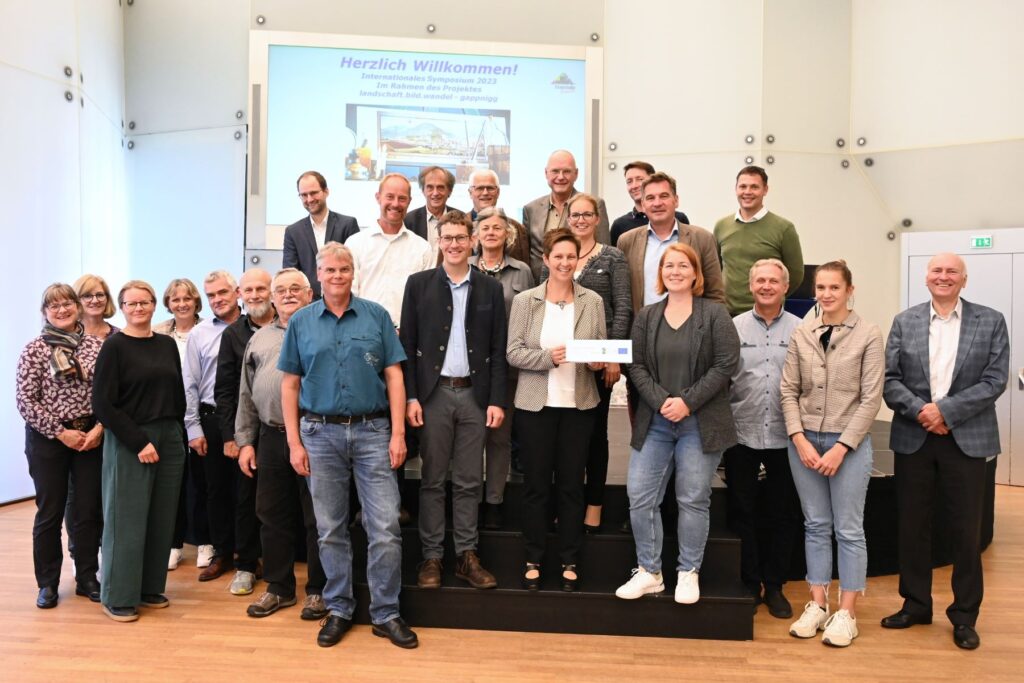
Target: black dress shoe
<point>332,629</point>
<point>591,529</point>
<point>778,605</point>
<point>570,585</point>
<point>90,588</point>
<point>966,637</point>
<point>397,632</point>
<point>47,597</point>
<point>904,620</point>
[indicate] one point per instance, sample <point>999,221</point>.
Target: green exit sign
<point>981,242</point>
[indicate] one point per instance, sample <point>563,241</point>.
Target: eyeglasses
<point>582,214</point>
<point>484,188</point>
<point>136,305</point>
<point>448,239</point>
<point>96,296</point>
<point>60,306</point>
<point>294,290</point>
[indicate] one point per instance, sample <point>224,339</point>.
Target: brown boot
<point>430,574</point>
<point>218,566</point>
<point>469,569</point>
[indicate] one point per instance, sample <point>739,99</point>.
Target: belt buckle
<point>79,424</point>
<point>346,419</point>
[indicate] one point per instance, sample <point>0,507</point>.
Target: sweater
<point>742,244</point>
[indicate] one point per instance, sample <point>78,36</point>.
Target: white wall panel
<point>936,73</point>
<point>186,204</point>
<point>523,21</point>
<point>101,56</point>
<point>186,64</point>
<point>104,227</point>
<point>682,76</point>
<point>806,74</point>
<point>37,40</point>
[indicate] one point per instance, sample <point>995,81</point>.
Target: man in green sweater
<point>751,234</point>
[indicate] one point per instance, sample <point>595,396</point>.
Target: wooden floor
<point>205,635</point>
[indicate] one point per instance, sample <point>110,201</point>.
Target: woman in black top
<point>140,399</point>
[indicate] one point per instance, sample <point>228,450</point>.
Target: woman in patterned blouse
<point>62,439</point>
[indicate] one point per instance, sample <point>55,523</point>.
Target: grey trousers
<point>499,449</point>
<point>454,430</point>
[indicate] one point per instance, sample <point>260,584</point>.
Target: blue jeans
<point>668,444</point>
<point>834,502</point>
<point>336,452</point>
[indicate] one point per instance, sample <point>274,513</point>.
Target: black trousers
<point>781,513</point>
<point>940,472</point>
<point>192,523</point>
<point>50,464</point>
<point>597,449</point>
<point>280,494</point>
<point>554,441</point>
<point>230,502</point>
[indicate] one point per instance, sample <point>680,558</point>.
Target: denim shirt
<point>754,395</point>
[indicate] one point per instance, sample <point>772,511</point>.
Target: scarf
<point>63,345</point>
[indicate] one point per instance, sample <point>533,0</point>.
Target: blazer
<point>979,377</point>
<point>713,358</point>
<point>426,325</point>
<point>300,245</point>
<point>634,245</point>
<point>535,218</point>
<point>525,353</point>
<point>839,392</point>
<point>416,220</point>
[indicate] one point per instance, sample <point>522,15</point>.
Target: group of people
<point>428,335</point>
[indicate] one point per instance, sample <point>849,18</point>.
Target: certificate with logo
<point>599,351</point>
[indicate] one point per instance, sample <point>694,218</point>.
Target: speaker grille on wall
<point>595,146</point>
<point>254,149</point>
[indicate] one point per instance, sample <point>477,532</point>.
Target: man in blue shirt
<point>764,335</point>
<point>343,402</point>
<point>453,330</point>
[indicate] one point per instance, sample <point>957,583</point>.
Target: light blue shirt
<point>755,394</point>
<point>456,355</point>
<point>199,371</point>
<point>655,248</point>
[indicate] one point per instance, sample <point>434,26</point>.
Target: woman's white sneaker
<point>687,588</point>
<point>840,629</point>
<point>810,622</point>
<point>641,583</point>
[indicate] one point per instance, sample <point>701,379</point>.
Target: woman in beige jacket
<point>831,392</point>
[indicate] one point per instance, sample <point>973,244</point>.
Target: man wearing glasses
<point>484,190</point>
<point>453,330</point>
<point>304,237</point>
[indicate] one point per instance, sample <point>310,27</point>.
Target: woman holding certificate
<point>685,349</point>
<point>554,402</point>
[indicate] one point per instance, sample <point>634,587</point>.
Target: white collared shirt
<point>319,230</point>
<point>943,340</point>
<point>384,262</point>
<point>432,237</point>
<point>753,219</point>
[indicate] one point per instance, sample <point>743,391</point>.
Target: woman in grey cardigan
<point>685,349</point>
<point>601,269</point>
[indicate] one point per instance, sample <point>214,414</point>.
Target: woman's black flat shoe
<point>591,528</point>
<point>570,585</point>
<point>531,584</point>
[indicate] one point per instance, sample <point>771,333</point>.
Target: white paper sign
<point>599,351</point>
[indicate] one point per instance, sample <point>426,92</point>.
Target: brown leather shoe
<point>469,569</point>
<point>218,566</point>
<point>430,574</point>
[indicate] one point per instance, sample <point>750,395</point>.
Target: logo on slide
<point>563,83</point>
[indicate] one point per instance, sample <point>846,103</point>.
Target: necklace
<point>490,270</point>
<point>592,247</point>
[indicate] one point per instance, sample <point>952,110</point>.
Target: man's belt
<point>81,424</point>
<point>455,382</point>
<point>344,419</point>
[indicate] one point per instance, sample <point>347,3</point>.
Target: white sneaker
<point>687,588</point>
<point>243,583</point>
<point>640,583</point>
<point>174,559</point>
<point>840,629</point>
<point>205,556</point>
<point>810,622</point>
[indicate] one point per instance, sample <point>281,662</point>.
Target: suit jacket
<point>634,245</point>
<point>300,245</point>
<point>980,375</point>
<point>426,324</point>
<point>524,351</point>
<point>416,220</point>
<point>713,358</point>
<point>535,218</point>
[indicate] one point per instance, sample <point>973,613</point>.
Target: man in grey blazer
<point>947,361</point>
<point>304,237</point>
<point>550,211</point>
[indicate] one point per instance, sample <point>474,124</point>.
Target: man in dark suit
<point>453,330</point>
<point>436,184</point>
<point>304,237</point>
<point>947,361</point>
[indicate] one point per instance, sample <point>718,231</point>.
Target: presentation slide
<point>356,115</point>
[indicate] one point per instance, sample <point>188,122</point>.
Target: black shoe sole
<point>904,625</point>
<point>409,645</point>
